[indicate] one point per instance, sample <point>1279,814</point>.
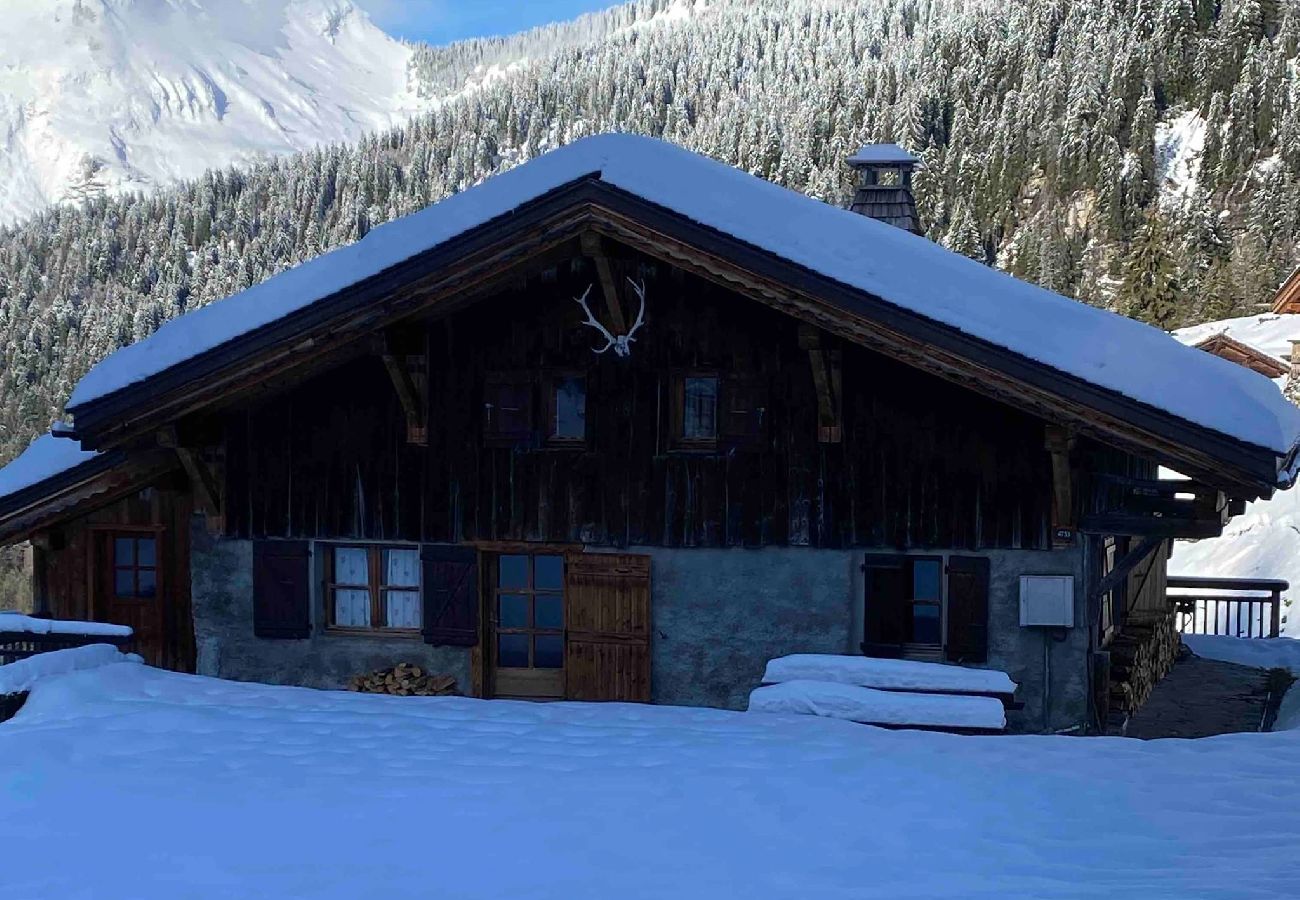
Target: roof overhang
<point>467,267</point>
<point>88,486</point>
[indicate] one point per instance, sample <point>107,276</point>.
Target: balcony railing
<point>1238,607</point>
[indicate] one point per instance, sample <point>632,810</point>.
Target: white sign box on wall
<point>1047,601</point>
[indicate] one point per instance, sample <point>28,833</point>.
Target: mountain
<point>129,95</point>
<point>1136,154</point>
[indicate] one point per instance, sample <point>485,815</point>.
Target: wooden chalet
<point>623,424</point>
<point>1243,354</point>
<point>1287,300</point>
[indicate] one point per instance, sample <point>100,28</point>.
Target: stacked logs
<point>405,680</point>
<point>1139,657</point>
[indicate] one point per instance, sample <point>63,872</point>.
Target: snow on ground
<point>44,458</point>
<point>862,704</point>
<point>908,271</point>
<point>1273,653</point>
<point>23,675</point>
<point>132,782</point>
<point>886,674</point>
<point>21,624</point>
<point>1180,142</point>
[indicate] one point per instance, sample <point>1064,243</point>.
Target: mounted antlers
<point>621,344</point>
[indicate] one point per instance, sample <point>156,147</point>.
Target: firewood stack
<point>1139,657</point>
<point>405,680</point>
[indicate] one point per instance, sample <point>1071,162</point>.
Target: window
<point>695,410</point>
<point>135,567</point>
<point>567,417</point>
<point>528,606</point>
<point>1106,626</point>
<point>507,408</point>
<point>926,607</point>
<point>373,588</point>
<point>926,601</point>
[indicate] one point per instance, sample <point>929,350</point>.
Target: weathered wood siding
<point>71,570</point>
<point>923,463</point>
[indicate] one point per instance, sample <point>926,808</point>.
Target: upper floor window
<point>695,410</point>
<point>567,411</point>
<point>135,566</point>
<point>376,588</point>
<point>508,408</point>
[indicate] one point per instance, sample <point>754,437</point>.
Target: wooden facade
<point>918,462</point>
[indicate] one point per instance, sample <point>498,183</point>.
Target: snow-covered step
<point>888,674</point>
<point>875,707</point>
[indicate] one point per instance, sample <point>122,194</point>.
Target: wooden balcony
<point>1238,607</point>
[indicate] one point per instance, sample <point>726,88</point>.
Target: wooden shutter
<point>742,417</point>
<point>886,615</point>
<point>607,616</point>
<point>508,408</point>
<point>968,609</point>
<point>450,592</point>
<point>281,590</point>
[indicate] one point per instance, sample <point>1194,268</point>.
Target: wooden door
<point>526,602</point>
<point>607,646</point>
<point>130,588</point>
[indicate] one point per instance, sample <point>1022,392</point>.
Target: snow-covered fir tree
<point>1052,134</point>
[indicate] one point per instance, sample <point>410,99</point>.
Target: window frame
<point>531,630</point>
<point>375,586</point>
<point>135,536</point>
<point>941,604</point>
<point>679,440</point>
<point>550,384</point>
<point>526,383</point>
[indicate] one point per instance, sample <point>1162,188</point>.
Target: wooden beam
<point>408,385</point>
<point>1126,565</point>
<point>203,482</point>
<point>591,246</point>
<point>827,379</point>
<point>1060,442</point>
<point>1151,526</point>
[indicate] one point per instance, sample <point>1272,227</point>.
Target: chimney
<point>885,186</point>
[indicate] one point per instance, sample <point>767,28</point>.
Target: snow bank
<point>23,675</point>
<point>860,704</point>
<point>908,271</point>
<point>243,790</point>
<point>1264,653</point>
<point>44,458</point>
<point>887,674</point>
<point>21,624</point>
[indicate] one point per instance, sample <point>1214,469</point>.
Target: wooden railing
<point>16,645</point>
<point>1239,607</point>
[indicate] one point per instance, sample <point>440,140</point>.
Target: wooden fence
<point>16,645</point>
<point>1238,607</point>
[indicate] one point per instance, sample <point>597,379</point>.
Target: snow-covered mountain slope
<point>119,95</point>
<point>1265,541</point>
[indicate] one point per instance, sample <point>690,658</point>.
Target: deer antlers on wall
<point>622,343</point>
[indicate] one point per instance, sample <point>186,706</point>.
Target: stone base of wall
<point>1139,659</point>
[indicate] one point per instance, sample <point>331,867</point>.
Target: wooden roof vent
<point>885,186</point>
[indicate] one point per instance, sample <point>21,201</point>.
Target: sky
<point>444,21</point>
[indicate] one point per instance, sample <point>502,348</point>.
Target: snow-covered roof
<point>1110,351</point>
<point>882,155</point>
<point>46,457</point>
<point>1268,333</point>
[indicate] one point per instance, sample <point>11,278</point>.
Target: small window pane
<point>514,611</point>
<point>570,409</point>
<point>402,568</point>
<point>124,551</point>
<point>927,575</point>
<point>352,609</point>
<point>926,624</point>
<point>512,572</point>
<point>700,409</point>
<point>548,651</point>
<point>512,651</point>
<point>548,573</point>
<point>145,552</point>
<point>148,582</point>
<point>124,583</point>
<point>549,611</point>
<point>351,566</point>
<point>402,609</point>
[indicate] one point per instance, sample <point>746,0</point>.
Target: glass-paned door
<point>528,625</point>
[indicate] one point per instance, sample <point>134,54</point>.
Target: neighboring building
<point>1287,301</point>
<point>1223,346</point>
<point>624,423</point>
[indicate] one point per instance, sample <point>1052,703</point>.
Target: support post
<point>1060,443</point>
<point>828,380</point>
